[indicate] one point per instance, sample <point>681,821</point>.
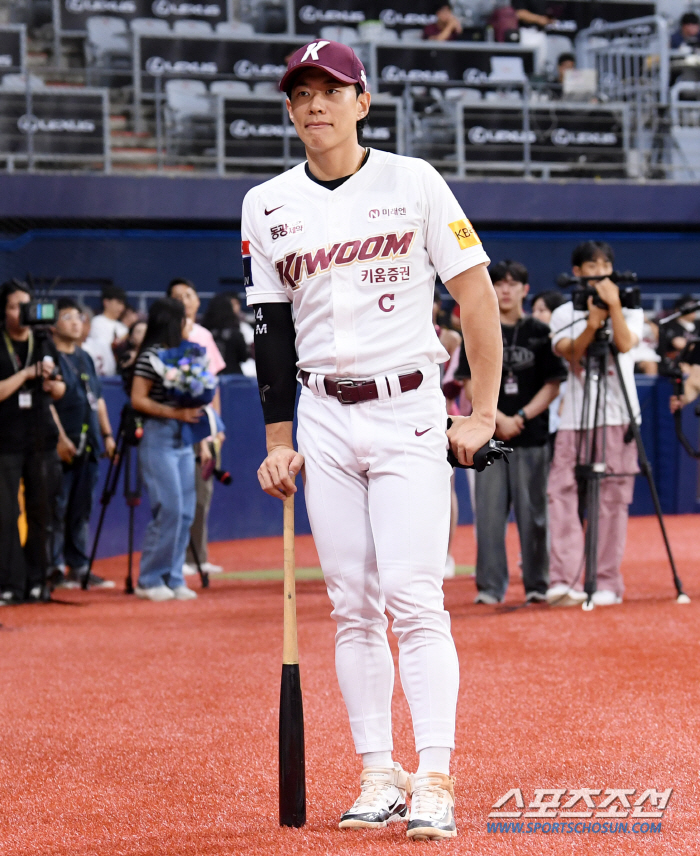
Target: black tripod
<point>128,437</point>
<point>590,472</point>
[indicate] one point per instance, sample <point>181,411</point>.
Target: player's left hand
<point>467,435</point>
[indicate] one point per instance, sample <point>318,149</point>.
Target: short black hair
<point>68,303</point>
<point>8,288</point>
<point>179,280</point>
<point>360,122</point>
<point>551,299</point>
<point>508,267</point>
<point>439,4</point>
<point>589,251</point>
<point>683,300</point>
<point>165,318</point>
<point>689,18</point>
<point>566,57</point>
<point>113,292</point>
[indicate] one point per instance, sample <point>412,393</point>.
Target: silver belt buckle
<point>340,386</point>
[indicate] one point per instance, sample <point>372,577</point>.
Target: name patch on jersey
<point>386,213</point>
<point>285,229</point>
<point>465,234</point>
<point>380,275</point>
<point>300,265</point>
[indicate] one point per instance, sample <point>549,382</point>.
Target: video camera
<point>630,296</point>
<point>38,313</point>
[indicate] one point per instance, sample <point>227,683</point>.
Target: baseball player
<point>340,254</point>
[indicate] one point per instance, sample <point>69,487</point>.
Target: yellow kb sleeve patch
<point>465,234</point>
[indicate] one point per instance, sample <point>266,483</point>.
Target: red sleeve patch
<point>245,248</point>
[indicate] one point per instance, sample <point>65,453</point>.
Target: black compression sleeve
<point>276,360</point>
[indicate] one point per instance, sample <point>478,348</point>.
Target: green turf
<point>307,574</point>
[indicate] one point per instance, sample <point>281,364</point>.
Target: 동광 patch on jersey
<point>465,234</point>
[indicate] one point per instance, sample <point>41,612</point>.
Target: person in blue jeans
<point>166,462</point>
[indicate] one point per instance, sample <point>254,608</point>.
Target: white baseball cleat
<point>382,799</point>
<point>432,807</point>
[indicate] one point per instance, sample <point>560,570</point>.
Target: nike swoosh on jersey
<point>267,213</point>
<point>420,433</point>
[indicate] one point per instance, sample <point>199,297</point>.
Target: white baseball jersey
<point>358,263</point>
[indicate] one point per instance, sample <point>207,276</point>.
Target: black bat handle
<point>483,457</point>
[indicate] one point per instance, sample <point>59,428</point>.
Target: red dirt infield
<point>137,728</point>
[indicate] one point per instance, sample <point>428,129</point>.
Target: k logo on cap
<point>340,61</point>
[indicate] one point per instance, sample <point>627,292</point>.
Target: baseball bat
<point>292,785</point>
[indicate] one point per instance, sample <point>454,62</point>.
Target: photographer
<point>167,463</point>
<point>572,333</point>
<point>28,436</point>
<point>81,417</point>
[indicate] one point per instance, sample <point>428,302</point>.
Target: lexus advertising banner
<point>10,50</point>
<point>396,14</point>
<point>251,61</point>
<point>397,65</point>
<point>412,14</point>
<point>61,123</point>
<point>255,129</point>
<point>74,13</point>
<point>555,135</point>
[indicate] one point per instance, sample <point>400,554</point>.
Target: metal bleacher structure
<point>162,85</point>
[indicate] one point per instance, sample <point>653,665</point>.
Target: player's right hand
<point>467,435</point>
<point>278,471</point>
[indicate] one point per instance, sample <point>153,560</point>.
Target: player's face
<point>324,111</point>
<point>510,293</point>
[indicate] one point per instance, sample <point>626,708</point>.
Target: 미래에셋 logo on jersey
<point>300,265</point>
<point>465,234</point>
<point>386,213</point>
<point>284,229</point>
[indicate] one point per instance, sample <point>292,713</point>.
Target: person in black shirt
<point>28,437</point>
<point>81,417</point>
<point>530,381</point>
<point>224,325</point>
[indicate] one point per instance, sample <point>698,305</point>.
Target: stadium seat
<point>266,87</point>
<point>375,31</point>
<point>188,98</point>
<point>107,40</point>
<point>230,88</point>
<point>412,35</point>
<point>462,93</point>
<point>235,28</point>
<point>191,27</point>
<point>18,82</point>
<point>149,26</point>
<point>344,35</point>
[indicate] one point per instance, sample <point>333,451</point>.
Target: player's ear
<point>576,270</point>
<point>363,102</point>
<point>289,110</point>
<point>526,290</point>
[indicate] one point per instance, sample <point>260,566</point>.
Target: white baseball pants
<point>378,496</point>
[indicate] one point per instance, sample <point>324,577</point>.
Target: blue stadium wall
<point>143,231</point>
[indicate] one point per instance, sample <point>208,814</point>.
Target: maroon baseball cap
<point>340,61</point>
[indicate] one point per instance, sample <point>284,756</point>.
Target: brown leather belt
<point>354,391</point>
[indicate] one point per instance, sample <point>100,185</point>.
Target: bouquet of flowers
<point>185,374</point>
<point>188,382</point>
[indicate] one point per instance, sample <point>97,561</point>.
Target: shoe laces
<point>371,788</point>
<point>428,799</point>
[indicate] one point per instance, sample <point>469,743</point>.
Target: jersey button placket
<point>342,291</point>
